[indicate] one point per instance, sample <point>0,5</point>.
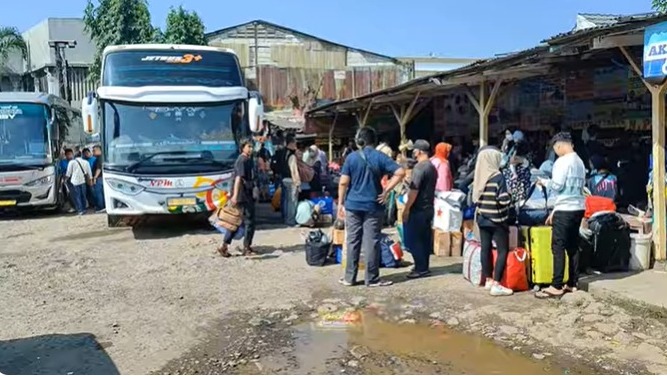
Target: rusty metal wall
<point>278,84</point>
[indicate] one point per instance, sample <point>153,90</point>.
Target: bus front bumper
<point>27,196</point>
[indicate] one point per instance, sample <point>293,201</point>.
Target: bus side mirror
<point>255,112</point>
<point>90,114</point>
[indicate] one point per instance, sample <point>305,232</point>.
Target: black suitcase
<point>608,249</point>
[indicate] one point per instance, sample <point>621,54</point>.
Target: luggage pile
<point>606,244</point>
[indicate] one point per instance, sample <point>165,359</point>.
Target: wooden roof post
<point>658,152</point>
<point>331,131</point>
<point>483,105</point>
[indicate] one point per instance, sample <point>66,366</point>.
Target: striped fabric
<point>495,200</point>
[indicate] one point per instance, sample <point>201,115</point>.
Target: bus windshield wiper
<point>133,166</point>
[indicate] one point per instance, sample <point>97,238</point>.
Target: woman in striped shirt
<point>492,202</point>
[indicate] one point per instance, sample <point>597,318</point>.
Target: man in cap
<point>418,211</point>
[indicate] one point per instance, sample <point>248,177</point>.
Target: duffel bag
<point>317,248</point>
<point>515,276</point>
<point>472,262</point>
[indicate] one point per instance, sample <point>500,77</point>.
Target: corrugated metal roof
<point>622,23</point>
<point>293,31</point>
<point>478,66</point>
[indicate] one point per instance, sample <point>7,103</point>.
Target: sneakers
<point>488,284</point>
<point>498,290</point>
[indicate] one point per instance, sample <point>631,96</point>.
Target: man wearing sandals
<point>361,200</point>
<point>242,196</point>
<point>567,182</point>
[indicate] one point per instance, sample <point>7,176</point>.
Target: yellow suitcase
<point>537,240</point>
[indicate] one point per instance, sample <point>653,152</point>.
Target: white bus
<point>33,130</point>
<point>170,118</point>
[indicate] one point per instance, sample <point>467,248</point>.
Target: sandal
<point>223,251</point>
<point>546,294</point>
<point>570,289</point>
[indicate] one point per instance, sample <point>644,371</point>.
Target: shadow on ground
<point>56,354</point>
<point>435,271</point>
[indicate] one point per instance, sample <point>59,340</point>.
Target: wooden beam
<point>331,131</point>
<point>368,111</point>
<point>473,100</point>
<point>483,119</point>
<point>635,66</point>
<point>396,112</point>
<point>492,97</point>
<point>659,204</point>
<point>612,41</point>
<point>406,115</point>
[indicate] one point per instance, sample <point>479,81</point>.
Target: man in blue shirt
<point>361,202</point>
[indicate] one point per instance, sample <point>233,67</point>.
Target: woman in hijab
<point>492,202</point>
<point>441,162</point>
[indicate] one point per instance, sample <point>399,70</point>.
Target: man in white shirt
<point>79,175</point>
<point>567,182</point>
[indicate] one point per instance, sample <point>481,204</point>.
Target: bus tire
<point>115,221</point>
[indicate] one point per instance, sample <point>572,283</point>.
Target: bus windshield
<point>24,135</point>
<point>172,138</point>
<point>136,68</point>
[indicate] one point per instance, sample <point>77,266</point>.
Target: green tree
<point>184,27</point>
<point>11,41</point>
<point>660,5</point>
<point>113,22</point>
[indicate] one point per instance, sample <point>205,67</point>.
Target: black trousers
<point>499,233</point>
<point>249,223</point>
<point>565,239</point>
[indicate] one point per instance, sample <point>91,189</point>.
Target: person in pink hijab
<point>441,162</point>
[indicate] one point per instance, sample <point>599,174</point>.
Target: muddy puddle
<point>361,342</point>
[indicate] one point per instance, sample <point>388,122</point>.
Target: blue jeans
<point>98,194</point>
<point>79,197</point>
<point>419,238</point>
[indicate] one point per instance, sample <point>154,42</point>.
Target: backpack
<point>306,172</point>
<point>276,161</point>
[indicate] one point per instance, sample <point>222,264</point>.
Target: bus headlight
<point>46,180</point>
<point>124,187</point>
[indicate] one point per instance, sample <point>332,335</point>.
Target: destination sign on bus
<point>185,59</point>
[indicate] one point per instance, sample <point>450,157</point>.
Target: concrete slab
<point>646,287</point>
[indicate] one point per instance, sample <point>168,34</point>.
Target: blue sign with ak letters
<point>655,51</point>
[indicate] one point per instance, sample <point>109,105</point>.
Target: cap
<point>421,145</point>
<point>562,137</point>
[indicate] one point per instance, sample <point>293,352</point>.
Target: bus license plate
<point>7,202</point>
<point>181,201</point>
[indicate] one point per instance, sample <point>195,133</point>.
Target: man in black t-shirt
<point>418,212</point>
<point>243,197</point>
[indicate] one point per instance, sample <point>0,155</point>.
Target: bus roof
<point>33,97</point>
<point>158,47</point>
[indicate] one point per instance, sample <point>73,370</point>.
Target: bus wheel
<point>115,221</point>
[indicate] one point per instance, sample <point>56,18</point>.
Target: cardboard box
<point>442,243</point>
<point>456,243</point>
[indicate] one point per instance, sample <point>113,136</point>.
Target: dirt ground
<point>160,300</point>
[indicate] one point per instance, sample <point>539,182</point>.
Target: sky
<point>444,28</point>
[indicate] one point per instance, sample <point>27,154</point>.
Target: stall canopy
<point>620,37</point>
